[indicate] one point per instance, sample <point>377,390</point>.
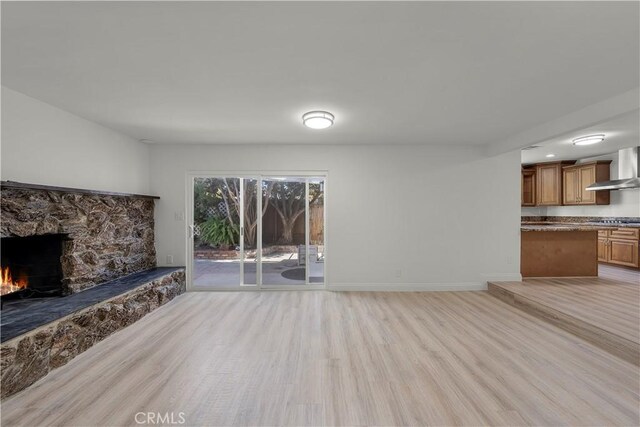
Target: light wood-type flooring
<point>604,310</point>
<point>619,274</point>
<point>337,358</point>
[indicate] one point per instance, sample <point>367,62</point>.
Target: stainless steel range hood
<point>628,160</point>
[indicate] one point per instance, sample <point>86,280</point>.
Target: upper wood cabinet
<point>528,187</point>
<point>576,178</point>
<point>549,183</point>
<point>570,195</point>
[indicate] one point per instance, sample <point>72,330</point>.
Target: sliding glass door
<point>217,229</point>
<point>284,232</point>
<point>256,232</point>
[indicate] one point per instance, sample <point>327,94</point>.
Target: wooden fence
<point>316,224</point>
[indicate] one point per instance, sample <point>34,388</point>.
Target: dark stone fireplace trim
<point>27,186</point>
<point>27,358</point>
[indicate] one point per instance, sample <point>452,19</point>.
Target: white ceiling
<point>621,132</point>
<point>409,72</point>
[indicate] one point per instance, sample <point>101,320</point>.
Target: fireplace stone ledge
<point>28,357</point>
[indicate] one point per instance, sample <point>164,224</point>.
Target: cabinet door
<point>570,193</point>
<point>586,177</point>
<point>528,188</point>
<point>548,185</point>
<point>625,233</point>
<point>623,252</point>
<point>602,250</point>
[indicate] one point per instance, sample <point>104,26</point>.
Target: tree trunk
<point>287,231</point>
<point>250,235</point>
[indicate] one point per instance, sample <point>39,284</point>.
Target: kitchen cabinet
<point>570,186</point>
<point>623,252</point>
<point>575,179</point>
<point>602,249</point>
<point>619,246</point>
<point>549,183</point>
<point>528,187</point>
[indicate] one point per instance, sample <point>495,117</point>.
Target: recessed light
<point>550,155</point>
<point>146,141</point>
<point>588,140</point>
<point>317,119</point>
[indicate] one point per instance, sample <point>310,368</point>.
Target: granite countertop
<point>576,226</point>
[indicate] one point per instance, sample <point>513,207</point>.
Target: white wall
<point>42,144</point>
<point>624,203</point>
<point>447,218</point>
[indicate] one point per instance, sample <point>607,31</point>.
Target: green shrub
<point>219,231</point>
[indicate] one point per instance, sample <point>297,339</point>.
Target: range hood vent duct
<point>628,161</point>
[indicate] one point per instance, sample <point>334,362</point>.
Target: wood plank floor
<point>604,310</point>
<point>620,274</point>
<point>337,358</point>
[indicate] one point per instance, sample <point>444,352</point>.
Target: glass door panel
<point>316,230</point>
<point>284,231</point>
<point>250,230</point>
<point>216,232</point>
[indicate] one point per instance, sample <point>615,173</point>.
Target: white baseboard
<point>502,277</point>
<point>408,287</point>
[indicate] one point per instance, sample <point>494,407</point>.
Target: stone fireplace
<point>77,266</point>
<point>108,235</point>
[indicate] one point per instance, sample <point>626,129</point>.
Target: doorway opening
<point>257,232</point>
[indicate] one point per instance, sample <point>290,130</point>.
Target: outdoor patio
<point>277,269</point>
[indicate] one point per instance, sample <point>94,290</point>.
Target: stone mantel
<point>24,185</point>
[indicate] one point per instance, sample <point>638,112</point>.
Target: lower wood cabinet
<point>619,246</point>
<point>602,249</point>
<point>623,252</point>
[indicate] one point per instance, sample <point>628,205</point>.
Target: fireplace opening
<point>31,266</point>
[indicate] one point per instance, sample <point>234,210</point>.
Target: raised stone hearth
<point>28,357</point>
<point>110,235</point>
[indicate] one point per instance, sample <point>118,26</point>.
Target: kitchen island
<point>559,250</point>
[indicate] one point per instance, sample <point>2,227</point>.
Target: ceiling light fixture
<point>550,155</point>
<point>588,140</point>
<point>317,119</point>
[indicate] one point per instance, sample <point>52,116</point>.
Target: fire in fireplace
<point>31,266</point>
<point>9,285</point>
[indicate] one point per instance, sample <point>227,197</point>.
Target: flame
<point>10,285</point>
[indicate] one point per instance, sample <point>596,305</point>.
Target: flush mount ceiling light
<point>588,140</point>
<point>550,155</point>
<point>317,119</point>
